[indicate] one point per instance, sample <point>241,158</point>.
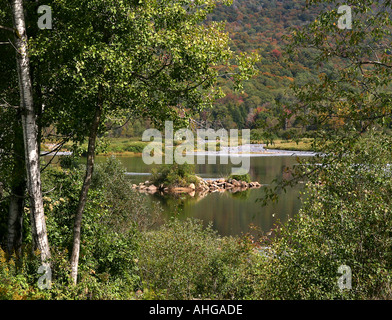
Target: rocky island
<point>202,186</point>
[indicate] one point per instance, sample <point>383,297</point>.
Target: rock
<point>203,186</point>
<point>152,188</point>
<point>181,190</point>
<point>213,187</point>
<point>192,194</point>
<point>235,183</point>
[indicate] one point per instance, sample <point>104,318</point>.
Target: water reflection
<point>230,213</point>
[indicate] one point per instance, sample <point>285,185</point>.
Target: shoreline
<point>251,150</point>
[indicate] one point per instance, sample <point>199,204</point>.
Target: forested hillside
<point>261,25</point>
<point>257,25</point>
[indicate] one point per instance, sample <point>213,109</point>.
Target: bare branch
<point>7,105</point>
<point>377,63</point>
<point>7,28</point>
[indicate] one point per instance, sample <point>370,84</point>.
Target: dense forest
<point>260,26</point>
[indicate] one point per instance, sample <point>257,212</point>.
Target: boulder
<point>219,185</point>
<point>152,188</point>
<point>236,183</point>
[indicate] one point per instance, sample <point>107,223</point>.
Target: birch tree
<point>155,58</point>
<point>29,130</point>
<point>12,166</point>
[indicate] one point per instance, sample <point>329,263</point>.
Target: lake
<point>229,213</point>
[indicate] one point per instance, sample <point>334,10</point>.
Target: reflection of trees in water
<point>228,215</point>
<point>241,195</point>
<point>175,202</point>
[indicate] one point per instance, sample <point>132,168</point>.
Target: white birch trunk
<point>30,131</point>
<point>84,191</point>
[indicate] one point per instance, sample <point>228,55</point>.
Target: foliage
<point>183,260</point>
<point>262,26</point>
<point>15,278</point>
<point>240,177</point>
<point>152,59</point>
<point>121,146</point>
<point>355,95</point>
<point>174,175</point>
<point>345,220</point>
<point>126,207</point>
<point>341,103</point>
<point>114,217</point>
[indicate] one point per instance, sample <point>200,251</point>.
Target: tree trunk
<point>17,199</point>
<point>86,185</point>
<point>30,131</point>
<point>15,220</point>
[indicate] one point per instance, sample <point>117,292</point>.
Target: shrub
<point>178,175</point>
<point>183,260</point>
<point>345,220</point>
<point>240,177</point>
<point>16,282</point>
<point>136,147</point>
<point>256,135</point>
<point>113,219</point>
<point>290,134</point>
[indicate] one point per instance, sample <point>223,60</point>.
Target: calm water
<point>229,213</point>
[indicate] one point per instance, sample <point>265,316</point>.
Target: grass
<point>120,146</point>
<point>134,146</point>
<point>302,145</point>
